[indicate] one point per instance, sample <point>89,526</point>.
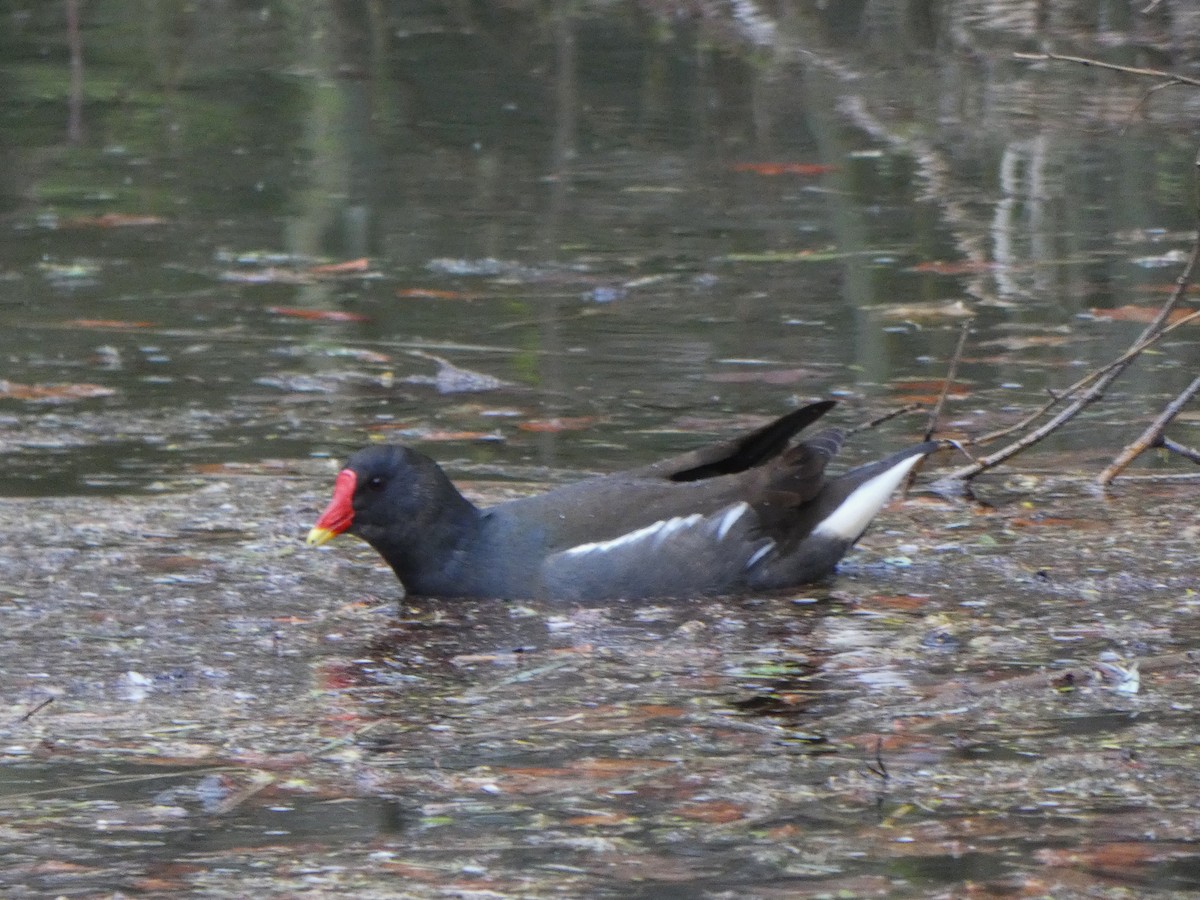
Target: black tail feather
<point>758,446</point>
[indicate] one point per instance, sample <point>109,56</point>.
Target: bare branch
<point>1151,436</point>
<point>1114,67</point>
<point>1099,383</point>
<point>1057,397</point>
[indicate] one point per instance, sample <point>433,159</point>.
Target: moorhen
<point>750,514</point>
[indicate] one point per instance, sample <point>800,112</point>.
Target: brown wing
<point>795,479</point>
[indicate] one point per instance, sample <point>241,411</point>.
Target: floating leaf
<point>272,275</point>
<point>559,423</point>
<point>106,323</point>
<point>1028,342</point>
<point>956,309</point>
<point>899,601</point>
<point>765,376</point>
<point>452,379</point>
<point>608,766</point>
<point>1139,314</point>
<point>599,819</point>
<point>1170,258</point>
<point>81,270</point>
<point>958,267</point>
<point>113,220</point>
<point>783,168</point>
<point>487,267</point>
<point>1056,522</point>
<point>318,315</point>
<point>1169,287</point>
<point>357,353</point>
<point>931,386</point>
<point>715,812</point>
<point>52,393</point>
<point>777,256</point>
<point>349,267</point>
<point>1112,857</point>
<point>434,435</point>
<point>432,294</point>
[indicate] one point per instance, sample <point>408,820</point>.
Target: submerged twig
<point>879,769</point>
<point>29,714</point>
<point>1185,452</point>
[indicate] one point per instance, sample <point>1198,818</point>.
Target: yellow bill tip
<point>319,536</point>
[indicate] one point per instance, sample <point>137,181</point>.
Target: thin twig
<point>259,782</point>
<point>879,769</point>
<point>1145,98</point>
<point>951,373</point>
<point>1114,67</point>
<point>1151,436</point>
<point>109,782</point>
<point>936,413</point>
<point>29,714</point>
<point>886,417</point>
<point>1056,397</point>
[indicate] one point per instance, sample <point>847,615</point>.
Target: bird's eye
<point>375,484</point>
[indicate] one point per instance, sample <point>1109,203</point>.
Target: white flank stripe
<point>656,532</point>
<point>851,519</point>
<point>728,520</point>
<point>760,553</point>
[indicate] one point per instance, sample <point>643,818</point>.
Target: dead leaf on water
<point>1056,522</point>
<point>927,391</point>
<point>1139,314</point>
<point>1028,342</point>
<point>557,424</point>
<point>270,275</point>
<point>113,220</point>
<point>53,393</point>
<point>599,819</point>
<point>435,435</point>
<point>771,169</point>
<point>783,256</point>
<point>349,267</point>
<point>715,812</point>
<point>431,294</point>
<point>613,766</point>
<point>955,309</point>
<point>906,602</point>
<point>317,315</point>
<point>114,324</point>
<point>765,376</point>
<point>956,267</point>
<point>452,379</point>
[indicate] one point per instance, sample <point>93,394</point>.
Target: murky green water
<point>537,245</point>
